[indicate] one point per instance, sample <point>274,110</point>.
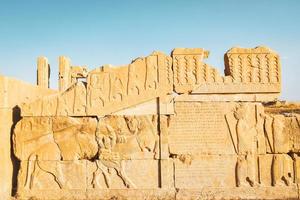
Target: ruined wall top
<point>161,127</point>
<point>252,74</point>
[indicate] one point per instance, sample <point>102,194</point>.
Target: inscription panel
<point>199,128</point>
<point>208,170</point>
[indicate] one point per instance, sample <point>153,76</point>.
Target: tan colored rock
<point>201,128</point>
<point>33,139</point>
<point>265,168</point>
<point>258,65</point>
<point>12,93</point>
<point>52,175</point>
<point>161,127</point>
<point>190,71</point>
<point>64,73</point>
<point>78,72</point>
<point>247,71</point>
<point>282,170</point>
<point>228,97</point>
<point>43,72</point>
<point>135,171</point>
<point>167,174</point>
<point>75,137</point>
<point>239,193</point>
<point>164,136</point>
<point>114,89</point>
<point>205,171</point>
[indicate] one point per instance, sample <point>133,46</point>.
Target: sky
<point>95,33</point>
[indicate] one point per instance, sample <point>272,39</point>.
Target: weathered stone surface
<point>112,89</point>
<point>239,193</point>
<point>161,127</point>
<point>136,175</point>
<point>52,175</point>
<point>213,128</point>
<point>43,72</point>
<point>204,171</point>
<point>12,93</point>
<point>246,71</point>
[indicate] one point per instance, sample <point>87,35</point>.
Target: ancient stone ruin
<point>162,127</point>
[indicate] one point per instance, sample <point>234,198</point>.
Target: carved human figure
<point>281,174</point>
<point>144,131</point>
<point>281,170</point>
<point>261,138</point>
<point>151,73</point>
<point>133,86</point>
<point>117,89</point>
<point>246,140</point>
<point>280,138</point>
<point>109,159</point>
<point>99,89</point>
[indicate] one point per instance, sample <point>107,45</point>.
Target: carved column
<point>43,72</point>
<point>64,73</point>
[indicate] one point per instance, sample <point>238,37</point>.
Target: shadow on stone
<point>16,116</point>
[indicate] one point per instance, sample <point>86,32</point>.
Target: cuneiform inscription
<point>209,170</point>
<point>199,128</point>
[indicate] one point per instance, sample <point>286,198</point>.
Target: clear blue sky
<point>94,33</point>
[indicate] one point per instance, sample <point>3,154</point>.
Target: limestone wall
<point>12,93</point>
<point>161,127</point>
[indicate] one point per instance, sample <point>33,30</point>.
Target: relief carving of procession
<point>107,142</point>
<point>255,137</point>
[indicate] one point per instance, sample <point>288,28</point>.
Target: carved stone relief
<point>162,127</point>
<point>45,144</point>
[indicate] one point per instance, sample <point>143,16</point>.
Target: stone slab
<point>205,171</point>
<point>263,97</point>
<point>144,174</point>
<point>239,193</point>
<point>200,128</point>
